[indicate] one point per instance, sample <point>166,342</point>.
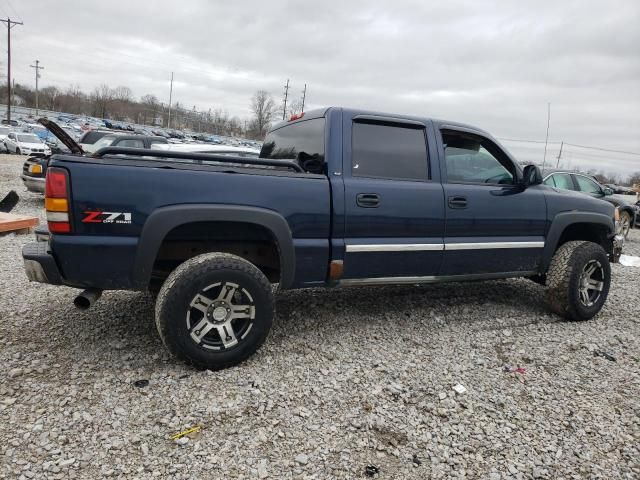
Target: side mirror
<point>607,191</point>
<point>531,176</point>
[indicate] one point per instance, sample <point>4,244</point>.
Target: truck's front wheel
<point>578,280</point>
<point>215,310</point>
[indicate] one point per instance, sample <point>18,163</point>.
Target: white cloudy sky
<point>491,63</point>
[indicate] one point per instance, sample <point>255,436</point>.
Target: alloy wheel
<point>591,283</point>
<point>220,316</point>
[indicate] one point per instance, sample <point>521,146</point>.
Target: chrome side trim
<point>387,280</point>
<point>426,247</point>
<point>492,245</point>
<point>432,279</point>
<point>396,247</point>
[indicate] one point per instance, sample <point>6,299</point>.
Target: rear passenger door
<point>394,206</point>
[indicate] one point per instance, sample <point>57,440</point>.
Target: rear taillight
<point>56,200</point>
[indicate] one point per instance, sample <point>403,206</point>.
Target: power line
<point>14,10</point>
<point>604,149</point>
<point>570,144</point>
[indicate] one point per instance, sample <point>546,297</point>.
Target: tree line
<point>119,104</point>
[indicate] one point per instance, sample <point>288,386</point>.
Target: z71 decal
<point>106,217</point>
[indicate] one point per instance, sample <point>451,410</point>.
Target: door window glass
<point>473,159</point>
<point>389,151</point>
<point>587,185</point>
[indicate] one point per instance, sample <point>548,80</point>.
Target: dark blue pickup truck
<point>338,197</point>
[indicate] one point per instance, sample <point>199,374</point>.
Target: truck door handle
<point>368,200</point>
<point>457,202</point>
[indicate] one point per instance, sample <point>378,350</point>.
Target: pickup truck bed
<point>338,197</point>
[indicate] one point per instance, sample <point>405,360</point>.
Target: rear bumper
<point>39,264</point>
<point>33,184</point>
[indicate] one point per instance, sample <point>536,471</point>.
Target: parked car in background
<point>580,182</point>
<point>4,131</point>
<point>88,139</point>
<point>621,190</point>
<point>130,141</point>
<point>208,148</point>
<point>25,144</point>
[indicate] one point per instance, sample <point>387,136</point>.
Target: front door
<point>394,207</point>
<point>493,225</point>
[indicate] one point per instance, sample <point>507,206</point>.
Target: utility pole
<point>559,154</point>
<point>546,141</point>
<point>10,24</point>
<point>286,94</point>
<point>304,96</point>
<point>38,68</point>
<point>170,95</point>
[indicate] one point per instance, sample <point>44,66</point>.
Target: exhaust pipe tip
<point>86,299</point>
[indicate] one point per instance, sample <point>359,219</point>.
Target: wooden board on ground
<point>20,223</point>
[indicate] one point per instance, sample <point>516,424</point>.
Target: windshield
<point>4,130</point>
<point>28,138</point>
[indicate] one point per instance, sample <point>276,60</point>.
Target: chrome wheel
<point>591,283</point>
<point>220,316</point>
<point>625,224</point>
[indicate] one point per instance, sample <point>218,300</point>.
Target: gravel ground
<point>348,378</point>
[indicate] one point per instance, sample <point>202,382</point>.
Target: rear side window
<point>300,141</point>
<point>389,151</point>
<point>93,137</point>
<point>129,143</point>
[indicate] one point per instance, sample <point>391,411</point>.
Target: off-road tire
<point>187,281</point>
<point>563,279</point>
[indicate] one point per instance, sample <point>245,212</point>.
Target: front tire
<point>578,280</point>
<point>18,151</point>
<point>215,310</point>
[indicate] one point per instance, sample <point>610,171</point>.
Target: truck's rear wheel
<point>578,280</point>
<point>214,310</point>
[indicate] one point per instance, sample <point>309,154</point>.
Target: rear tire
<point>578,280</point>
<point>215,310</point>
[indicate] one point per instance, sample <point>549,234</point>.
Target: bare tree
<point>263,107</point>
<point>101,99</point>
<point>294,107</point>
<point>50,98</point>
<point>122,94</point>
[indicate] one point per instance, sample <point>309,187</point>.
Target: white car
<point>4,131</point>
<point>26,144</point>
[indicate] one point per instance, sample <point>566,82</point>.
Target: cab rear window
<point>301,141</point>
